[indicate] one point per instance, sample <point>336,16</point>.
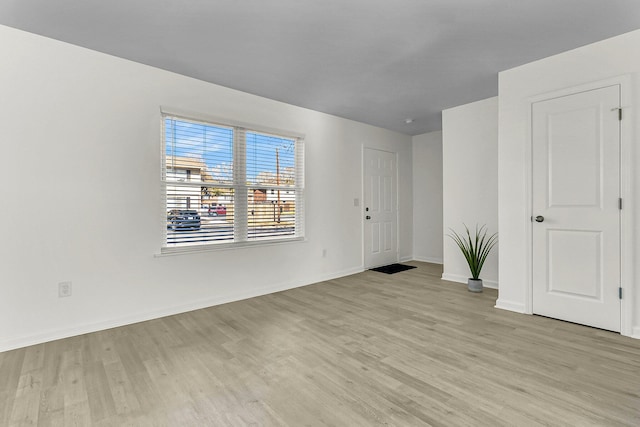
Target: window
<point>231,185</point>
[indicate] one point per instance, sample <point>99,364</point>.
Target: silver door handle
<point>539,218</point>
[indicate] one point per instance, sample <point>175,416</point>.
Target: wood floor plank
<point>370,349</point>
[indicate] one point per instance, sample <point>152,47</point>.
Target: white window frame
<point>239,186</point>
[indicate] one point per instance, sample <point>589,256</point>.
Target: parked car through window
<point>218,210</point>
<point>183,220</point>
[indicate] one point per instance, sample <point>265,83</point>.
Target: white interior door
<point>380,208</point>
<point>576,216</point>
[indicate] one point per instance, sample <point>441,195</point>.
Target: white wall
<point>619,56</point>
<point>470,182</point>
<point>427,197</point>
<point>87,128</point>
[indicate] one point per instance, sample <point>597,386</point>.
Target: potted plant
<point>475,250</point>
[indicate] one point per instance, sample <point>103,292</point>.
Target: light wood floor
<point>370,349</point>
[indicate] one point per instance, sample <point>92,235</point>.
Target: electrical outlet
<point>64,289</point>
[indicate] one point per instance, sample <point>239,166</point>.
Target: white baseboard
<point>406,258</point>
<point>635,332</point>
<point>510,306</point>
<point>491,284</point>
<point>429,260</point>
<point>19,342</point>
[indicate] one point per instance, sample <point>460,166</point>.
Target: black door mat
<point>392,268</point>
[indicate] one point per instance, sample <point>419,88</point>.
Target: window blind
<point>230,184</point>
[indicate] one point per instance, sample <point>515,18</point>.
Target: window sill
<point>225,246</point>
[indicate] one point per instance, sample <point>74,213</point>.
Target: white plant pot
<point>474,285</point>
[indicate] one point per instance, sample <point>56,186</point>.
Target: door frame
<point>626,192</point>
<point>396,188</point>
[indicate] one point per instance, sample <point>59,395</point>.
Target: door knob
<point>539,218</point>
<point>367,217</point>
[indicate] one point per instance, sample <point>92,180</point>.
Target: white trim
<point>19,342</point>
<point>362,206</point>
<point>397,190</point>
<point>627,222</point>
<point>429,260</point>
<point>635,332</point>
<point>183,250</point>
<point>491,284</point>
<point>510,306</point>
<point>627,214</point>
<point>239,185</point>
<point>225,122</point>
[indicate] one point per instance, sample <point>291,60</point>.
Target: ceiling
<point>375,61</point>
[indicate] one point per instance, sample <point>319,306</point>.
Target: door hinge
<point>619,112</point>
<point>620,203</point>
<point>620,293</point>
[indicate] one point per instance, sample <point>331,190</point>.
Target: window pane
<point>228,184</point>
<point>271,213</point>
<point>198,156</point>
<point>270,160</point>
